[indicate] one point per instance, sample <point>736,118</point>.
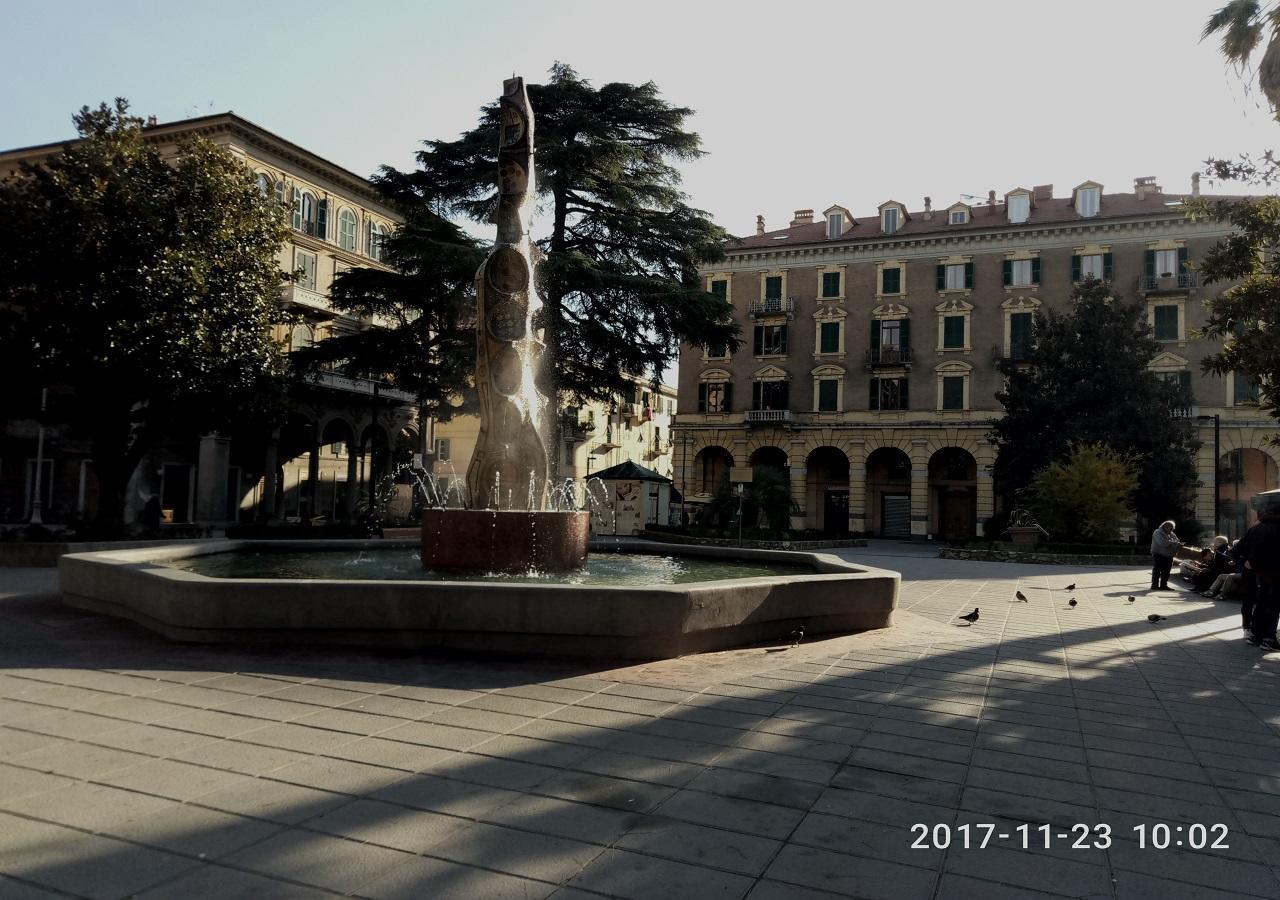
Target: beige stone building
<point>635,427</point>
<point>873,342</point>
<point>342,432</point>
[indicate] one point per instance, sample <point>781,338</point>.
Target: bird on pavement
<point>1070,587</point>
<point>970,617</point>
<point>1153,618</point>
<point>797,636</point>
<point>1072,603</point>
<point>1022,598</point>
<point>1132,598</point>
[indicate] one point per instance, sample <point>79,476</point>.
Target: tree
<point>1086,495</point>
<point>770,495</point>
<point>1242,25</point>
<point>149,288</point>
<point>424,341</point>
<point>1087,381</point>
<point>619,278</point>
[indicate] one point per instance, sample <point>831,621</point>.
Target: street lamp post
<point>741,491</point>
<point>36,503</point>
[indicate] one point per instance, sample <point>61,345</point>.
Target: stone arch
<point>827,488</point>
<point>888,489</point>
<point>1243,472</point>
<point>953,493</point>
<point>711,466</point>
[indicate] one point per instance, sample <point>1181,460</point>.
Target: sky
<point>799,104</point>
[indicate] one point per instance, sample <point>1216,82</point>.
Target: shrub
<point>1087,496</point>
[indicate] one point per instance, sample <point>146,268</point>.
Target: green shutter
<point>827,394</point>
<point>875,337</point>
<point>1166,323</point>
<point>873,401</point>
<point>322,218</point>
<point>968,275</point>
<point>785,399</point>
<point>1019,335</point>
<point>904,338</point>
<point>773,287</point>
<point>942,277</point>
<point>953,332</point>
<point>720,289</point>
<point>758,344</point>
<point>1149,263</point>
<point>726,402</point>
<point>1106,267</point>
<point>1007,272</point>
<point>904,401</point>
<point>831,284</point>
<point>755,394</point>
<point>829,341</point>
<point>1075,268</point>
<point>1183,258</point>
<point>1184,381</point>
<point>953,392</point>
<point>1035,270</point>
<point>702,396</point>
<point>783,342</point>
<point>891,281</point>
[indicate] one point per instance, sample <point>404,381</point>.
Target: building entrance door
<point>957,515</point>
<point>895,515</point>
<point>835,512</point>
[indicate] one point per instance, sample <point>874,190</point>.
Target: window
<point>959,217</point>
<point>835,225</point>
<point>1087,202</point>
<point>720,289</point>
<point>301,338</point>
<point>264,184</point>
<point>442,449</point>
<point>955,277</point>
<point>953,392</point>
<point>1244,390</point>
<point>305,264</point>
<point>770,395</point>
<point>891,280</point>
<point>1019,207</point>
<point>890,334</point>
<point>1180,381</point>
<point>829,337</point>
<point>1165,323</point>
<point>309,215</point>
<point>888,393</point>
<point>770,340</point>
<point>715,396</point>
<point>1091,265</point>
<point>831,284</point>
<point>1020,335</point>
<point>375,246</point>
<point>828,395</point>
<point>718,351</point>
<point>1020,272</point>
<point>347,230</point>
<point>1167,263</point>
<point>889,220</point>
<point>773,287</point>
<point>953,332</point>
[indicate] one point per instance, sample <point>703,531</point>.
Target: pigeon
<point>1072,603</point>
<point>1070,587</point>
<point>970,617</point>
<point>1153,618</point>
<point>797,636</point>
<point>1132,598</point>
<point>1022,598</point>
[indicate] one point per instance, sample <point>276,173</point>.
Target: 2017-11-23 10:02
<point>1158,836</point>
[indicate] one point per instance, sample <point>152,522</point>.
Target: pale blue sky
<point>799,104</point>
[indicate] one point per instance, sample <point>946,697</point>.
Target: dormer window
<point>835,225</point>
<point>959,217</point>
<point>890,220</point>
<point>1087,200</point>
<point>1018,207</point>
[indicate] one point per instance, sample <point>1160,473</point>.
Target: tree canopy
<point>146,286</point>
<point>618,278</point>
<point>1086,495</point>
<point>1087,381</point>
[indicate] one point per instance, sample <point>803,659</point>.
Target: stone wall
<point>1052,559</point>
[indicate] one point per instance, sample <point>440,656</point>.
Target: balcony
<point>363,386</point>
<point>767,416</point>
<point>311,299</point>
<point>1016,354</point>
<point>571,429</point>
<point>889,357</point>
<point>773,306</point>
<point>1168,284</point>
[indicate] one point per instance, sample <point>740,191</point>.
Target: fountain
<point>511,450</point>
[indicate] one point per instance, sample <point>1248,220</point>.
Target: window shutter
<point>280,192</point>
<point>875,337</point>
<point>1184,381</point>
<point>758,344</point>
<point>782,329</point>
<point>1106,266</point>
<point>720,289</point>
<point>296,202</point>
<point>904,338</point>
<point>702,397</point>
<point>1183,258</point>
<point>1149,263</point>
<point>968,275</point>
<point>726,404</point>
<point>953,332</point>
<point>1035,270</point>
<point>1075,268</point>
<point>322,219</point>
<point>903,401</point>
<point>873,396</point>
<point>785,395</point>
<point>1007,272</point>
<point>942,277</point>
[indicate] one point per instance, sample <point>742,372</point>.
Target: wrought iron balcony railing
<point>1155,284</point>
<point>889,356</point>
<point>773,306</point>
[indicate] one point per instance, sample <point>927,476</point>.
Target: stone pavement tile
<point>601,790</point>
<point>860,837</point>
<point>1246,780</point>
<point>852,876</point>
<point>622,873</point>
<point>716,697</point>
<point>639,768</point>
<point>194,696</point>
<point>213,723</point>
<point>93,807</point>
<point>235,756</point>
<point>12,889</point>
<point>961,737</point>
<point>569,733</point>
<point>388,825</point>
<point>492,770</point>
<point>237,683</point>
<point>214,882</point>
<point>479,719</point>
<point>445,795</point>
<point>17,782</point>
<point>1034,810</point>
<point>14,742</point>
<point>340,775</point>
<point>390,754</point>
<point>318,695</point>
<point>1048,788</point>
<point>1196,867</point>
<point>892,784</point>
<point>877,808</point>
<point>940,750</point>
<point>822,716</point>
<point>77,760</point>
<point>564,818</point>
<point>838,735</point>
<point>319,860</point>
<point>1118,740</point>
<point>658,747</point>
<point>1139,886</point>
<point>850,712</point>
<point>69,723</point>
<point>1025,869</point>
<point>1154,781</point>
<point>348,720</point>
<point>776,890</point>
<point>534,751</point>
<point>274,801</point>
<point>287,736</point>
<point>580,714</point>
<point>544,692</point>
<point>692,731</point>
<point>516,852</point>
<point>440,880</point>
<point>962,887</point>
<point>739,814</point>
<point>144,710</point>
<point>634,706</point>
<point>1157,809</point>
<point>780,791</point>
<point>434,735</point>
<point>395,707</point>
<point>700,845</point>
<point>705,714</point>
<point>524,707</point>
<point>191,830</point>
<point>82,864</point>
<point>1253,801</point>
<point>779,765</point>
<point>902,764</point>
<point>170,778</point>
<point>1030,765</point>
<point>1016,743</point>
<point>432,694</point>
<point>152,740</point>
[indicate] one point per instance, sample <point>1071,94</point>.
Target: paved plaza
<point>133,766</point>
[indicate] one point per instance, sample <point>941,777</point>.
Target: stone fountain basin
<point>585,621</point>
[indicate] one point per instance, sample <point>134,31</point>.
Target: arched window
<point>347,230</point>
<point>301,338</point>
<point>264,184</point>
<point>377,235</point>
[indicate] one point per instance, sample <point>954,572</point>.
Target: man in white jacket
<point>1164,544</point>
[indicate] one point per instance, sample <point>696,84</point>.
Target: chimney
<point>152,121</point>
<point>1146,186</point>
<point>802,217</point>
<point>928,208</point>
<point>1042,192</point>
<point>991,202</point>
<point>1195,184</point>
<point>759,224</point>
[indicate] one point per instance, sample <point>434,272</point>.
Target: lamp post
<point>36,503</point>
<point>741,491</point>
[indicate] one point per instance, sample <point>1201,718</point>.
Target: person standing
<point>1260,550</point>
<point>1164,544</point>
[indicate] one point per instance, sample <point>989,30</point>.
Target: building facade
<point>341,434</point>
<point>872,350</point>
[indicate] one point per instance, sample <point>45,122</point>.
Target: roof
<point>629,471</point>
<point>1052,211</point>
